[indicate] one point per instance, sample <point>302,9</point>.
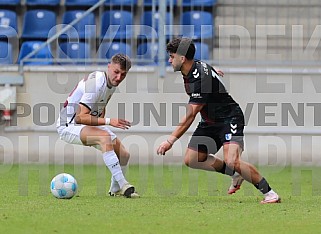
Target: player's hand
<point>163,148</point>
<point>219,72</point>
<point>120,123</point>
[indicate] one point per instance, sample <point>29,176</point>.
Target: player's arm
<point>219,71</point>
<point>83,116</point>
<point>187,120</point>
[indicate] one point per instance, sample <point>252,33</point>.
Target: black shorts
<point>209,139</point>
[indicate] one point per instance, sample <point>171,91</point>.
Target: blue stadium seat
<point>73,51</point>
<point>80,2</point>
<point>121,2</point>
<point>197,24</point>
<point>202,51</point>
<point>147,19</point>
<point>119,23</point>
<point>191,3</point>
<point>42,2</point>
<point>147,52</point>
<point>80,27</point>
<point>108,49</point>
<point>38,23</point>
<point>5,53</point>
<point>29,46</point>
<point>9,2</point>
<point>8,24</point>
<point>150,2</point>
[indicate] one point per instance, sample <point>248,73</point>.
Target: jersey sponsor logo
<point>233,128</point>
<point>195,73</point>
<point>228,136</point>
<point>196,95</point>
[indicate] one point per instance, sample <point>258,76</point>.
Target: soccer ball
<point>63,186</point>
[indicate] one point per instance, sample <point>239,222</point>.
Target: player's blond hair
<point>123,60</point>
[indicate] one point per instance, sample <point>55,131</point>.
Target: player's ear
<point>183,59</point>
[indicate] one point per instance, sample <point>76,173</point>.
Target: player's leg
<point>232,153</point>
<point>123,156</point>
<point>201,151</point>
<point>230,133</point>
<point>202,160</point>
<point>103,137</point>
<point>197,154</point>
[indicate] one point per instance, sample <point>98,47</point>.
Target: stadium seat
<point>197,24</point>
<point>117,24</point>
<point>42,2</point>
<point>191,3</point>
<point>80,27</point>
<point>121,2</point>
<point>9,2</point>
<point>80,2</point>
<point>147,53</point>
<point>147,19</point>
<point>150,2</point>
<point>38,23</point>
<point>108,49</point>
<point>74,51</point>
<point>29,46</point>
<point>5,53</point>
<point>202,51</point>
<point>8,24</point>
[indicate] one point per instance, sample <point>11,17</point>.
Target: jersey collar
<point>190,71</point>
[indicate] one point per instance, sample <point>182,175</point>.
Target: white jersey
<point>92,92</point>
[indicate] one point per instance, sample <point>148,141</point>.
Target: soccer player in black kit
<point>221,125</point>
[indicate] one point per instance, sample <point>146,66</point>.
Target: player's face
<point>115,74</point>
<point>176,60</point>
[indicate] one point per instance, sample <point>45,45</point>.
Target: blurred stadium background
<point>269,51</point>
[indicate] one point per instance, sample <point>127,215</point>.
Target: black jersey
<point>204,86</point>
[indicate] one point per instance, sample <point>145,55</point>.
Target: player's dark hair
<point>123,60</point>
<point>183,46</point>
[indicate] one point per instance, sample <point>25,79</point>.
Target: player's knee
<point>232,162</point>
<point>191,162</point>
<point>187,161</point>
<point>105,139</point>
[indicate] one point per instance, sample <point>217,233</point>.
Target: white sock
<point>270,192</point>
<point>114,186</point>
<point>112,162</point>
<point>235,174</point>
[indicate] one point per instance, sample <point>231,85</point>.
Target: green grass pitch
<point>174,199</point>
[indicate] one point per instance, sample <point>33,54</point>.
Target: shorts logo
<point>228,136</point>
<point>233,128</point>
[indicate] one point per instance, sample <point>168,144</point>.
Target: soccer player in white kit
<point>82,121</point>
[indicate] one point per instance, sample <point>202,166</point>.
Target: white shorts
<point>71,134</point>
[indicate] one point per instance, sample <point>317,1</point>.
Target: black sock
<point>226,170</point>
<point>263,186</point>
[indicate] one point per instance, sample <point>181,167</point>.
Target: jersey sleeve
<point>92,86</point>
